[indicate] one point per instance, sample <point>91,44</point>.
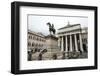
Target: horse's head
<point>49,24</point>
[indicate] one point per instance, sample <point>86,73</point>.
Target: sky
<point>38,23</point>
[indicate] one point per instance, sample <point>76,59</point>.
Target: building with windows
<point>36,41</point>
<point>72,38</point>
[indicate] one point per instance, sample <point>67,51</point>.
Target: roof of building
<point>36,33</point>
<point>85,29</point>
<point>68,26</point>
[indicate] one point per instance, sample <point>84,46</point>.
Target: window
<point>29,37</point>
<point>32,44</point>
<point>33,37</point>
<point>29,44</point>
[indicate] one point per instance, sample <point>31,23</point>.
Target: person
<point>63,55</point>
<point>29,56</point>
<point>40,56</point>
<point>54,56</point>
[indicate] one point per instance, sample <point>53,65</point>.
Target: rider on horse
<point>51,28</point>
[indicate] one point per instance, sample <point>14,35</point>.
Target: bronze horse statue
<point>51,28</point>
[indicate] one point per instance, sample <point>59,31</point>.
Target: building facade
<point>72,38</point>
<point>85,38</point>
<point>36,41</point>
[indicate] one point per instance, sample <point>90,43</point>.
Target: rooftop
<point>68,26</point>
<point>36,33</point>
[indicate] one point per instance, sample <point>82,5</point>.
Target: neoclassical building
<point>36,41</point>
<point>72,38</point>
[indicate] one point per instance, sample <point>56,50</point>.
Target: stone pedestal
<point>52,47</point>
<point>51,43</point>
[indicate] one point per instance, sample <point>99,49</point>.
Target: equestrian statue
<point>51,28</point>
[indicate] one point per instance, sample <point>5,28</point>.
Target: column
<point>62,47</point>
<point>59,42</point>
<point>66,45</point>
<point>81,44</point>
<point>70,43</point>
<point>76,45</point>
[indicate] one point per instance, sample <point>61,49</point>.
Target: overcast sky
<point>37,23</point>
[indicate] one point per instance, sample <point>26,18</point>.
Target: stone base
<point>58,55</point>
<point>51,55</point>
<point>72,55</point>
<point>51,43</point>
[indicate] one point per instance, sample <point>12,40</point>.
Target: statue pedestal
<point>52,43</point>
<point>52,48</point>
